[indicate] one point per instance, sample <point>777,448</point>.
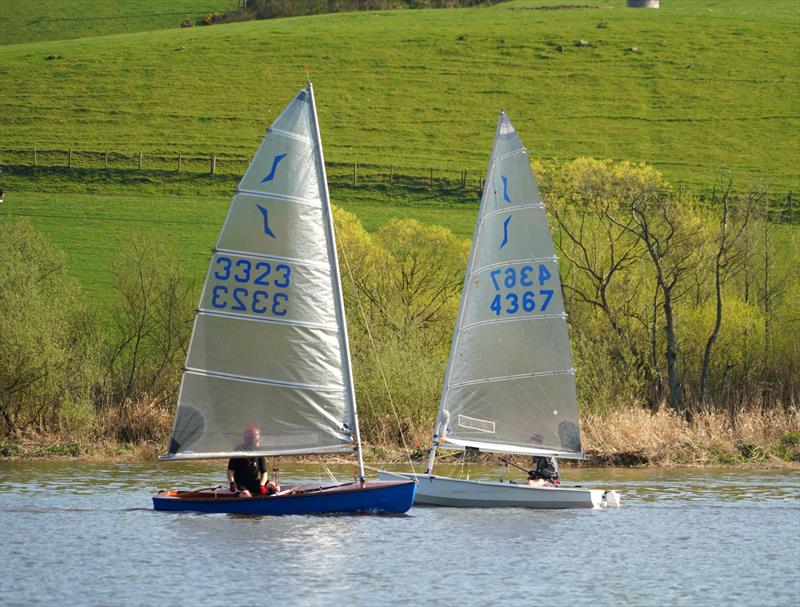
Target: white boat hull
<point>435,490</point>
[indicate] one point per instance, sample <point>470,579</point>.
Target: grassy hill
<point>694,87</point>
<point>34,20</point>
<point>712,84</point>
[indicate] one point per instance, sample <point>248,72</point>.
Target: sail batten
<point>274,196</point>
<point>267,381</point>
<point>291,135</point>
<point>532,205</point>
<point>268,349</point>
<point>499,264</point>
<point>295,323</point>
<point>304,262</point>
<point>511,378</point>
<point>510,383</point>
<point>482,323</point>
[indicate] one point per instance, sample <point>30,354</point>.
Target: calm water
<point>86,534</point>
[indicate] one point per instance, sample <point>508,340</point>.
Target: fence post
<point>213,164</point>
<point>391,174</point>
<point>69,158</point>
<point>35,160</point>
<point>180,160</point>
<point>355,173</point>
<point>140,160</point>
<point>105,160</point>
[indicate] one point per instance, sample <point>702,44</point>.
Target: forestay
<point>269,347</point>
<point>510,384</point>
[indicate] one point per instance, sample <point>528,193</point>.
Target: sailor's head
<point>252,437</point>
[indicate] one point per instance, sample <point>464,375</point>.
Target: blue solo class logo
<point>506,197</point>
<point>505,232</point>
<point>265,215</point>
<point>275,162</point>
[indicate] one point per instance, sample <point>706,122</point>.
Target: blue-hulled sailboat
<point>269,347</point>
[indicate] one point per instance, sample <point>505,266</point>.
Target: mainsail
<point>269,346</point>
<point>509,384</point>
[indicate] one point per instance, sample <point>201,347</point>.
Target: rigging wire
<point>328,470</point>
<point>374,349</point>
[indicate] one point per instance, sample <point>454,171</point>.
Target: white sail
<point>510,384</point>
<point>269,347</point>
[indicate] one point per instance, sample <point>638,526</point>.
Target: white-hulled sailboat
<point>509,385</point>
<point>269,349</point>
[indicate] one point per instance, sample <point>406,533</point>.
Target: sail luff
<point>337,291</point>
<point>456,328</point>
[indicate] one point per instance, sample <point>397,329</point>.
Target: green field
<point>34,21</point>
<point>94,228</point>
<point>713,84</point>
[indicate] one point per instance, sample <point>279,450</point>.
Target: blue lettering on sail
<point>505,232</point>
<point>505,188</point>
<point>265,215</point>
<point>516,289</point>
<point>275,162</point>
<point>251,296</point>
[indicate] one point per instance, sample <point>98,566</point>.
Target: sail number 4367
<point>249,295</point>
<point>520,293</point>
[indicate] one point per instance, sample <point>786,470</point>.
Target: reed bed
<point>635,435</point>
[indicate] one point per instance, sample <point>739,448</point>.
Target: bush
<point>212,18</point>
<point>47,339</point>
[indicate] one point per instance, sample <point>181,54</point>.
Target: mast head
<point>307,70</point>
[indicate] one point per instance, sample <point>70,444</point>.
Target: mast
<point>440,425</point>
<point>337,291</point>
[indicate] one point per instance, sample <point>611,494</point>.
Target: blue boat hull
<point>374,497</point>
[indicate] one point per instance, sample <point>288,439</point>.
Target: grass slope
<point>714,84</point>
<point>37,20</point>
<point>93,228</point>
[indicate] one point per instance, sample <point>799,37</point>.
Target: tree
<point>152,322</point>
<point>728,258</point>
<point>670,233</point>
<point>45,333</point>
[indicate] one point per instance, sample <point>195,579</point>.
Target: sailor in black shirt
<point>248,475</point>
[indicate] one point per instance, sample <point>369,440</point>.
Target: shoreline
<point>116,453</point>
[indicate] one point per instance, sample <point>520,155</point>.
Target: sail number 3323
<point>517,289</point>
<point>256,287</point>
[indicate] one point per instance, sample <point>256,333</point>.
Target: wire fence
<point>782,206</point>
<point>234,165</point>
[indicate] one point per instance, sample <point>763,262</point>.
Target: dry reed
<point>663,437</point>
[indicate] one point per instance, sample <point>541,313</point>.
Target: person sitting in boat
<point>544,472</point>
<point>247,476</point>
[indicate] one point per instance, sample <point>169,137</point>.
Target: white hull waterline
<point>435,490</point>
